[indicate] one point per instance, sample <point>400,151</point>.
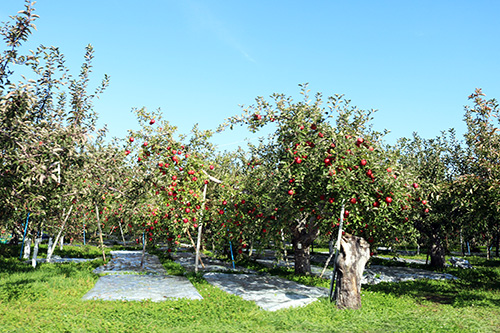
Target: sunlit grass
<point>48,298</point>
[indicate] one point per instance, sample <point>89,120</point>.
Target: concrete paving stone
<point>128,287</point>
<point>268,292</point>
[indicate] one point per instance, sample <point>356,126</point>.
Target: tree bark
<point>353,256</point>
<point>497,244</point>
<point>437,253</point>
<point>303,235</point>
<point>302,256</point>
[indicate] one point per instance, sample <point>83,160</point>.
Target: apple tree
<point>45,120</point>
<point>170,173</point>
<point>435,214</point>
<point>480,181</point>
<point>319,159</point>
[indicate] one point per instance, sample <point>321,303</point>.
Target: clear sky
<point>414,61</point>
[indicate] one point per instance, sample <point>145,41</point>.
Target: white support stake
<point>35,252</point>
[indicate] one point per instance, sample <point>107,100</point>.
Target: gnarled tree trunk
<point>303,235</point>
<point>302,256</point>
<point>437,252</point>
<point>353,256</point>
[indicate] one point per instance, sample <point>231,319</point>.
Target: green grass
<point>48,299</point>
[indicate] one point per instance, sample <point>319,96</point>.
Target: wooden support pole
<point>100,232</point>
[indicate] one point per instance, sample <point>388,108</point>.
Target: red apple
<point>388,200</point>
<point>151,122</point>
<point>363,162</point>
<point>290,192</point>
<point>415,185</point>
<point>353,200</point>
<point>131,139</point>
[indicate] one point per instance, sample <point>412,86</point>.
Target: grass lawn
<point>48,299</point>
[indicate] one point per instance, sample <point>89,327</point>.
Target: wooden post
<point>121,231</point>
<point>100,232</point>
<point>200,228</point>
<point>50,250</point>
<point>337,249</point>
<point>143,249</point>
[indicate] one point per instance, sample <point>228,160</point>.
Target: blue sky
<point>414,61</point>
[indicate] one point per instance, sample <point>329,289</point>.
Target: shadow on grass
<point>28,289</point>
<point>478,287</point>
<point>14,265</point>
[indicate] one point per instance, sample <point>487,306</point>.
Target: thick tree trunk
<point>497,244</point>
<point>437,253</point>
<point>303,235</point>
<point>302,257</point>
<point>353,256</point>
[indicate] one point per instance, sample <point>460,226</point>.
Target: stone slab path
<point>124,279</point>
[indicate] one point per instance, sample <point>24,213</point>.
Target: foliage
<point>479,184</point>
<point>319,159</point>
<point>46,121</point>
